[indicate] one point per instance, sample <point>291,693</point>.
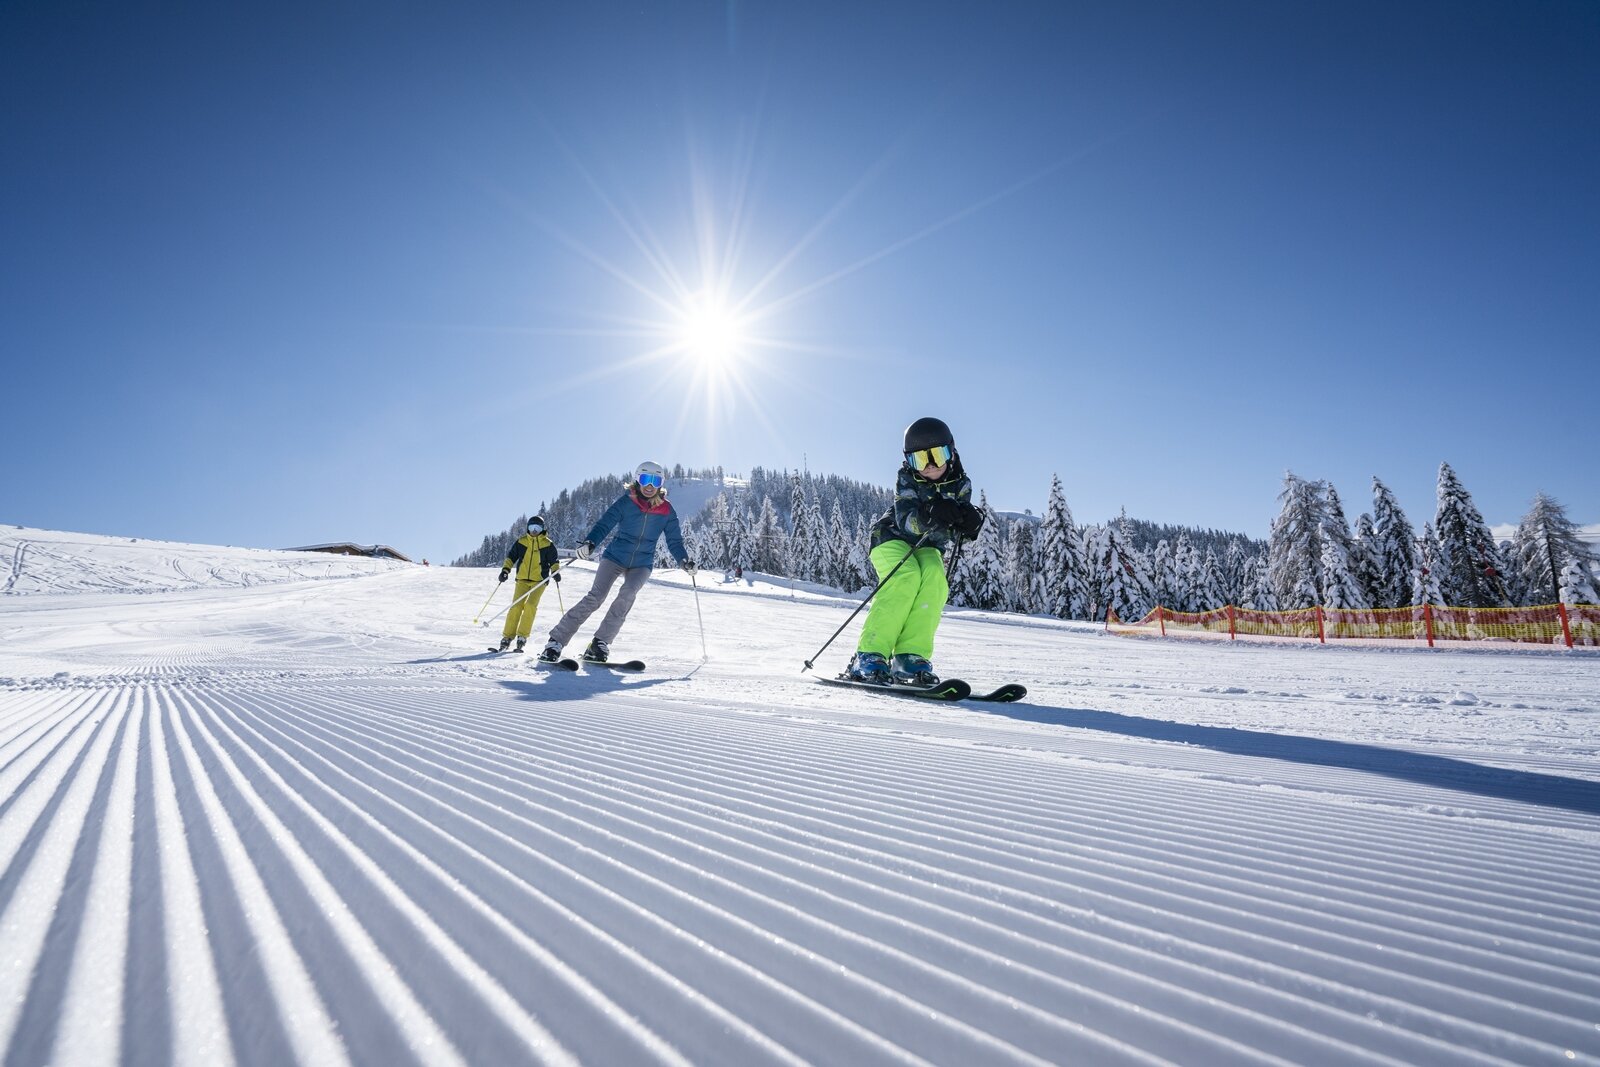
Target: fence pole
<point>1427,622</point>
<point>1566,630</point>
<point>1320,635</point>
<point>1232,636</point>
<point>1161,617</point>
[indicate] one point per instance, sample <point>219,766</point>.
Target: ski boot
<point>597,652</point>
<point>522,643</point>
<point>505,643</point>
<point>869,667</point>
<point>908,669</point>
<point>551,653</point>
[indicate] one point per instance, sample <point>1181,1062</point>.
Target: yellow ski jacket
<point>531,557</point>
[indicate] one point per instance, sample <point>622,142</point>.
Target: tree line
<point>814,528</point>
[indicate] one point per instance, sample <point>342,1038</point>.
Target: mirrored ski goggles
<point>536,527</point>
<point>651,479</point>
<point>937,456</point>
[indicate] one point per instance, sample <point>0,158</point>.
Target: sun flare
<point>711,334</point>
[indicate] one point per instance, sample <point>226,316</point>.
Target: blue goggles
<point>937,456</point>
<point>536,527</point>
<point>651,479</point>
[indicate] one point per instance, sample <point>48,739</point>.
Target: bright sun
<point>711,334</point>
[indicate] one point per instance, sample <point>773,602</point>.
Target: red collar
<point>657,508</point>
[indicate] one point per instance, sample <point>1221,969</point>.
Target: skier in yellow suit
<point>533,557</point>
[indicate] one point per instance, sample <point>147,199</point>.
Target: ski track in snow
<point>306,823</point>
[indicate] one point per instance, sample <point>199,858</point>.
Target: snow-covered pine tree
<point>1471,571</point>
<point>815,532</point>
<point>719,533</point>
<point>1394,549</point>
<point>799,547</point>
<point>1020,567</point>
<point>1577,583</point>
<point>1258,594</point>
<point>1059,591</point>
<point>1295,544</point>
<point>979,579</point>
<point>1425,587</point>
<point>1185,575</point>
<point>860,560</point>
<point>1364,559</point>
<point>1092,547</point>
<point>769,540</point>
<point>1543,544</point>
<point>1127,575</point>
<point>1340,586</point>
<point>1237,568</point>
<point>839,570</point>
<point>1208,594</point>
<point>1163,580</point>
<point>743,543</point>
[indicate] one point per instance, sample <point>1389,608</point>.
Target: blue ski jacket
<point>639,524</point>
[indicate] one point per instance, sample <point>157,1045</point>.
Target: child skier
<point>533,558</point>
<point>932,507</point>
<point>640,517</point>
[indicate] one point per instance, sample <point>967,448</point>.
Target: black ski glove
<point>970,522</point>
<point>555,576</point>
<point>505,572</point>
<point>945,513</point>
<point>688,566</point>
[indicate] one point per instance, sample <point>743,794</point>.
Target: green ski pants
<point>519,620</point>
<point>907,610</point>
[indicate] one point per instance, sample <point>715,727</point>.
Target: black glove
<point>505,572</point>
<point>689,566</point>
<point>945,513</point>
<point>555,576</point>
<point>970,522</point>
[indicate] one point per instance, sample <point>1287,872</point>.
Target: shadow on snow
<point>1444,772</point>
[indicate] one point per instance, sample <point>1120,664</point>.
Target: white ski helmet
<point>650,468</point>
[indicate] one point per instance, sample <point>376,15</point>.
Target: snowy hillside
<point>51,561</point>
<point>314,822</point>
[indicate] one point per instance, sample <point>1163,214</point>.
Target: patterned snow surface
<point>312,822</point>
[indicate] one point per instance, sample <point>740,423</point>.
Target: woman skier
<point>640,517</point>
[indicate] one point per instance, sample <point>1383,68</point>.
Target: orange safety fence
<point>1572,625</point>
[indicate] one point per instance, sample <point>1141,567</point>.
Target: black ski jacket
<point>912,513</point>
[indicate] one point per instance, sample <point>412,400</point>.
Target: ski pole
<point>704,655</point>
<point>524,596</point>
<point>485,607</point>
<point>864,603</point>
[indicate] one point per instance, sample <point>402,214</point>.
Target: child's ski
<point>1004,695</point>
<point>556,664</point>
<point>949,689</point>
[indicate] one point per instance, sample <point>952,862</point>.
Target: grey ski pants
<point>605,576</point>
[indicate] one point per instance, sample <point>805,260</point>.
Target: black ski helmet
<point>925,433</point>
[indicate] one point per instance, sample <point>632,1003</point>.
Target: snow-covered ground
<point>268,819</point>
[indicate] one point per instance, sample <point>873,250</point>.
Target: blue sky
<point>283,273</point>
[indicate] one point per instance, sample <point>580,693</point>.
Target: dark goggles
<point>646,478</point>
<point>937,456</point>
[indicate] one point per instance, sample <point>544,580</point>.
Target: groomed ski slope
<point>310,821</point>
